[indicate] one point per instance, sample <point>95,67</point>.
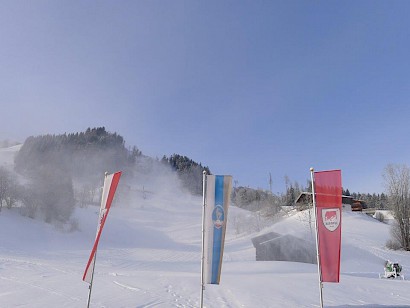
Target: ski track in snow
<point>127,286</point>
<point>157,299</point>
<point>35,285</point>
<point>24,264</point>
<point>227,300</point>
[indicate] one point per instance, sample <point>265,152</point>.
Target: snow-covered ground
<point>149,256</point>
<point>7,156</point>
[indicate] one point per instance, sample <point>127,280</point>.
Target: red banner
<point>328,194</point>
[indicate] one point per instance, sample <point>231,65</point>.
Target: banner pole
<point>203,238</point>
<point>95,254</point>
<point>91,282</point>
<point>317,239</point>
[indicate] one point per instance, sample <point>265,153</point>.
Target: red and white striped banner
<point>110,186</point>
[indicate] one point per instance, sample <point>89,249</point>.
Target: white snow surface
<point>7,156</point>
<point>149,256</point>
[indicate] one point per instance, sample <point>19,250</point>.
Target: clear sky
<point>247,88</point>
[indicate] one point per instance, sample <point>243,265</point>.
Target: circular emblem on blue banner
<point>218,216</point>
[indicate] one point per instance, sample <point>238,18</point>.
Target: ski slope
<point>149,256</point>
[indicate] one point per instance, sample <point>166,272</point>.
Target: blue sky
<point>247,88</point>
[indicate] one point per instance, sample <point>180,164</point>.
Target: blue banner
<point>218,218</point>
<point>217,200</point>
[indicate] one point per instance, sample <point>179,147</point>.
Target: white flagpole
<point>317,239</point>
<point>95,254</point>
<point>203,239</point>
<point>91,281</point>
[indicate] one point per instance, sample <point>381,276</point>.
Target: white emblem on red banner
<point>331,218</point>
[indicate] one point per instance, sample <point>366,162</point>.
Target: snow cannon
<point>392,270</point>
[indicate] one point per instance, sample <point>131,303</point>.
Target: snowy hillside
<point>149,256</point>
<point>7,155</point>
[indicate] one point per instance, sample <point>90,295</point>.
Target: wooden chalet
<point>348,202</point>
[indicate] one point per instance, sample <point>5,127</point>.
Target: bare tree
<point>397,181</point>
<point>13,193</point>
<point>31,202</point>
<point>8,188</point>
<point>50,194</point>
<point>4,179</point>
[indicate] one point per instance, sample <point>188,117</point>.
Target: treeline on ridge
<point>268,204</point>
<point>79,155</point>
<point>189,171</point>
<point>56,172</point>
<point>60,171</point>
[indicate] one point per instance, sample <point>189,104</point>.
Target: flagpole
<point>203,239</point>
<point>91,281</point>
<point>95,254</point>
<point>317,239</point>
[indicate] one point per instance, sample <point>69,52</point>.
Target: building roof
<point>306,197</point>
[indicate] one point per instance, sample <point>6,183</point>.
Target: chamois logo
<point>331,218</point>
